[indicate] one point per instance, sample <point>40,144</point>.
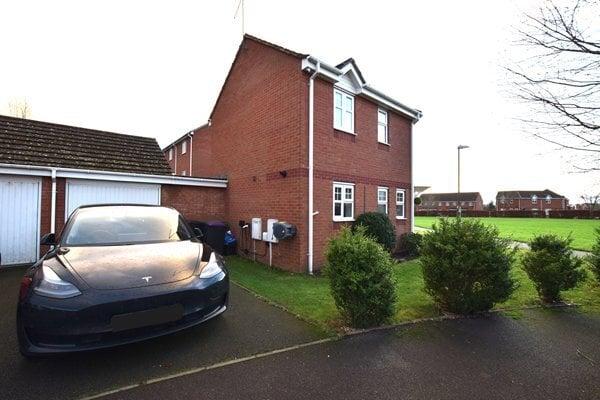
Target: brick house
<point>531,200</point>
<point>47,170</point>
<point>443,202</point>
<point>304,142</point>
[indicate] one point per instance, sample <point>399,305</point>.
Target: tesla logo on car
<point>147,278</point>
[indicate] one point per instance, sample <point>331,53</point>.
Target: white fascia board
<point>334,74</point>
<point>33,170</point>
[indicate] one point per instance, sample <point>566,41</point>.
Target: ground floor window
<point>343,201</point>
<point>400,200</point>
<point>382,200</point>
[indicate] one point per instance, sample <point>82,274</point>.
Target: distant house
<point>530,200</point>
<point>449,201</point>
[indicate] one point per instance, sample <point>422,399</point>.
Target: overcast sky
<point>155,68</point>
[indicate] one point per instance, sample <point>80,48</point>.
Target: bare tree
<point>591,201</point>
<point>560,78</point>
<point>19,108</point>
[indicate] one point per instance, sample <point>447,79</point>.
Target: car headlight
<point>211,268</point>
<point>52,286</point>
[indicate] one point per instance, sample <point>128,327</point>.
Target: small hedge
<point>409,244</point>
<point>379,227</point>
<point>594,259</point>
<point>360,273</point>
<point>466,266</point>
<point>551,266</point>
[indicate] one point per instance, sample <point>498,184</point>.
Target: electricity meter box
<point>256,229</point>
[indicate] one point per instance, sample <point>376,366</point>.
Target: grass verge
<point>309,297</point>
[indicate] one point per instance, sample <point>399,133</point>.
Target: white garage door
<point>19,219</point>
<point>83,192</point>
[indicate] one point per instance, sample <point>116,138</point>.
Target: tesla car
<point>118,274</point>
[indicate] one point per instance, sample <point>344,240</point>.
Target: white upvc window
<point>184,173</point>
<point>400,203</point>
<point>343,202</point>
<point>382,127</point>
<point>343,111</point>
<point>170,154</point>
<point>534,199</point>
<point>548,199</point>
<point>382,200</point>
<point>184,147</point>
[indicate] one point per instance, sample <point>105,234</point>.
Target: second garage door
<point>82,192</point>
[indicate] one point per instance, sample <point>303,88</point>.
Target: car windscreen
<point>114,225</point>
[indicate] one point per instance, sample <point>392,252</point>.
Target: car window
<point>112,225</point>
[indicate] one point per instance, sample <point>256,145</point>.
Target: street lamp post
<point>458,208</point>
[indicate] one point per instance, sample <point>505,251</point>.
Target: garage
<point>19,219</point>
<point>47,170</point>
<point>84,192</point>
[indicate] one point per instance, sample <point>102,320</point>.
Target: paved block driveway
<point>250,326</point>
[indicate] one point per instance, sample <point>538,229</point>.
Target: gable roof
<point>463,196</point>
<point>335,73</point>
<point>29,142</point>
<point>527,194</point>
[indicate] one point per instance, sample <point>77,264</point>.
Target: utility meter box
<point>256,229</point>
<point>270,236</point>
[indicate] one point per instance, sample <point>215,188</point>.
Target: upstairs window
<point>548,199</point>
<point>343,111</point>
<point>534,199</point>
<point>184,147</point>
<point>170,154</point>
<point>382,200</point>
<point>400,209</point>
<point>382,127</point>
<point>343,202</point>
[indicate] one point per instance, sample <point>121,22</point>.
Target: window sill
<point>343,220</point>
<point>344,131</point>
<point>384,143</point>
<point>401,218</point>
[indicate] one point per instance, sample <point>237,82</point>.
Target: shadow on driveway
<point>249,326</point>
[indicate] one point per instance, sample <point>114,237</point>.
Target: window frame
<point>343,186</point>
<point>383,189</point>
<point>402,203</point>
<point>171,154</point>
<point>184,147</point>
<point>341,126</point>
<point>384,125</point>
<point>534,199</point>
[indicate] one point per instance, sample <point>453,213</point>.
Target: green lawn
<point>309,298</point>
<point>523,229</point>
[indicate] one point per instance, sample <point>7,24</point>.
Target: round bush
<point>466,266</point>
<point>409,243</point>
<point>594,259</point>
<point>360,273</point>
<point>551,266</point>
<point>379,227</point>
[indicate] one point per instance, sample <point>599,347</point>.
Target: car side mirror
<point>198,233</point>
<point>49,239</point>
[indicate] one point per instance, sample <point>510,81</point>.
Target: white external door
<point>85,192</point>
<point>19,219</point>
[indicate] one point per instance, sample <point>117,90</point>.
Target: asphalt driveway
<point>545,355</point>
<point>250,326</point>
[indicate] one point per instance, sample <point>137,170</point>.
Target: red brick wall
<point>199,203</point>
<point>256,131</point>
<point>358,159</point>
